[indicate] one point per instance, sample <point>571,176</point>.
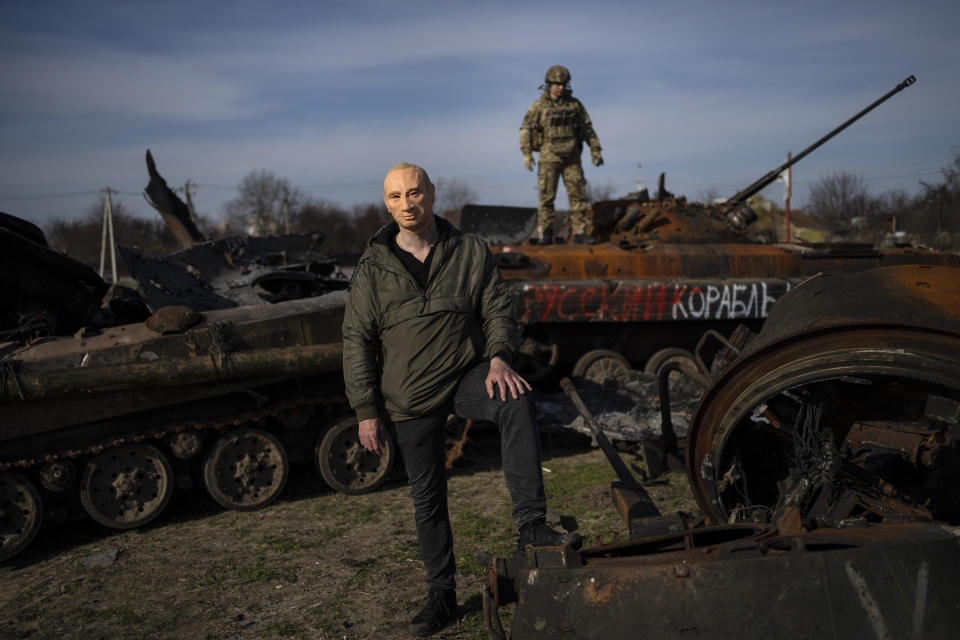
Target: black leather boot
<point>440,610</point>
<point>539,534</point>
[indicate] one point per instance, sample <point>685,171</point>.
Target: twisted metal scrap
<point>9,371</point>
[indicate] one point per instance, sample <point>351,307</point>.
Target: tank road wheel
<point>676,354</point>
<point>246,469</point>
<point>20,514</point>
<point>127,486</point>
<point>537,357</point>
<point>602,367</point>
<point>346,466</point>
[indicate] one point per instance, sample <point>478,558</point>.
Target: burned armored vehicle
<point>661,272</point>
<point>232,375</point>
<point>111,420</point>
<point>844,409</point>
<point>44,292</point>
<point>824,458</point>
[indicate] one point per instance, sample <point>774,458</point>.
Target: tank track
<point>328,405</point>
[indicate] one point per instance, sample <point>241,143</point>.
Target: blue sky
<point>331,94</point>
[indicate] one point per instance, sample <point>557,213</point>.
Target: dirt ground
<point>316,564</point>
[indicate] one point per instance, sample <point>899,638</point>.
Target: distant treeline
<point>270,205</point>
<point>345,231</point>
<point>265,205</point>
<point>931,217</point>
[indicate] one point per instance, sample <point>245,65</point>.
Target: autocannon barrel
<point>742,195</point>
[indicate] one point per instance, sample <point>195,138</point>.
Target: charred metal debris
<point>823,456</point>
<point>661,270</point>
<point>822,453</point>
<point>220,369</point>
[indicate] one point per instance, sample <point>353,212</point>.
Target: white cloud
<point>706,92</point>
<point>70,79</point>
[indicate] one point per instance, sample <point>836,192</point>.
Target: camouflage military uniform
<point>563,125</point>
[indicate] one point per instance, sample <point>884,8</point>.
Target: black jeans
<point>422,444</point>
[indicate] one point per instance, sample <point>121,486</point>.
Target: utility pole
<point>285,206</point>
<point>107,230</point>
<point>639,178</point>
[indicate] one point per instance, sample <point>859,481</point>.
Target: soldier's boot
<point>545,236</point>
<point>582,238</point>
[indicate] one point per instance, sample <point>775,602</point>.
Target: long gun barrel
<point>741,196</point>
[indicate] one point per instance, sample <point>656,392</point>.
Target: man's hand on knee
<point>503,376</point>
<point>370,432</point>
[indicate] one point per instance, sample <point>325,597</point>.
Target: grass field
<point>315,564</point>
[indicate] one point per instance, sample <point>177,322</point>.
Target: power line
<point>481,185</point>
<point>50,196</point>
<point>904,175</point>
<point>890,176</point>
<point>370,184</point>
<point>214,186</point>
<point>53,196</point>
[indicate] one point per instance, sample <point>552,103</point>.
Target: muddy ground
<point>316,564</point>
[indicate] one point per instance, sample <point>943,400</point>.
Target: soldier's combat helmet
<point>557,74</point>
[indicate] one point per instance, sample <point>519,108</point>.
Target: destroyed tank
<point>824,458</point>
<point>233,375</point>
<point>660,272</point>
<point>843,410</point>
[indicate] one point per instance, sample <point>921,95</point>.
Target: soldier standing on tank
<point>557,125</point>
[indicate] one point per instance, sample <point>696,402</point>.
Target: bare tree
<point>939,206</point>
<point>452,194</point>
<point>839,198</point>
<point>709,194</point>
<point>940,202</point>
<point>951,172</point>
<point>367,218</point>
<point>80,238</point>
<point>345,232</point>
<point>267,204</point>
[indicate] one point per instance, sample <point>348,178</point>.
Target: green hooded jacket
<point>405,348</point>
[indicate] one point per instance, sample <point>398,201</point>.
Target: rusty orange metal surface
<point>707,275</point>
<point>910,295</point>
<point>737,581</point>
<point>709,260</point>
<point>879,347</point>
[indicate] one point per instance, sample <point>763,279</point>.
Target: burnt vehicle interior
<point>823,456</point>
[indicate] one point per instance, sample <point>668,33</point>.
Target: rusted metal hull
<point>880,348</point>
<point>173,210</point>
<point>498,225</point>
<point>231,396</point>
<point>819,457</point>
<point>665,293</point>
<point>237,271</point>
<point>646,301</point>
<point>677,282</point>
<point>44,292</point>
<point>125,369</point>
<point>890,582</point>
<point>236,374</point>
